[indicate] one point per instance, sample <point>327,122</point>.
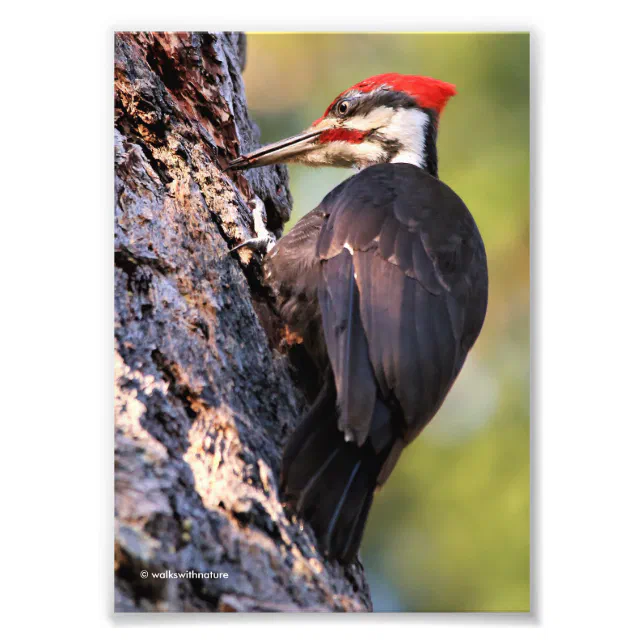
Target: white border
<point>56,321</point>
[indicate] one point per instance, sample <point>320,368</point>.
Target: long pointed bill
<point>280,152</point>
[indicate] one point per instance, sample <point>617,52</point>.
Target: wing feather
<point>423,270</point>
<point>398,296</point>
<point>347,347</point>
<point>387,237</point>
<point>403,255</point>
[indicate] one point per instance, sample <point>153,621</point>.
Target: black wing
<point>402,290</point>
<point>292,269</point>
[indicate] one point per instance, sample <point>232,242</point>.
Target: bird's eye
<point>342,108</point>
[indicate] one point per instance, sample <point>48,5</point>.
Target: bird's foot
<point>265,239</point>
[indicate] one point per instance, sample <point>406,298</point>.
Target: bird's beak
<point>281,152</point>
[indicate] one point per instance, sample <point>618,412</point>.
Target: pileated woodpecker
<point>386,283</point>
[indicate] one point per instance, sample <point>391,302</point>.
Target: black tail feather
<point>356,531</point>
<point>329,481</point>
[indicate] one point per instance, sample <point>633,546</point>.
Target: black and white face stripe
<point>397,129</point>
<point>359,130</point>
<point>360,103</point>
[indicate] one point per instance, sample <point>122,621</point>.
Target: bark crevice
<point>203,401</point>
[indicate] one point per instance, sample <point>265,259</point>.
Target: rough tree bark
<point>204,399</point>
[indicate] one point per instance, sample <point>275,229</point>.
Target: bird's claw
<point>265,239</point>
<point>257,243</point>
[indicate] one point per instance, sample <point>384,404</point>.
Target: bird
<point>386,284</point>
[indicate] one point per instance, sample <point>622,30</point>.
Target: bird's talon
<point>265,239</point>
<point>256,243</point>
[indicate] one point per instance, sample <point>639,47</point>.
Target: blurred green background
<point>451,529</point>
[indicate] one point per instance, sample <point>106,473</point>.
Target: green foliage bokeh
<point>451,529</point>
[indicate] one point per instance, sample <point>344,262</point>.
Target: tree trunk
<point>204,399</point>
